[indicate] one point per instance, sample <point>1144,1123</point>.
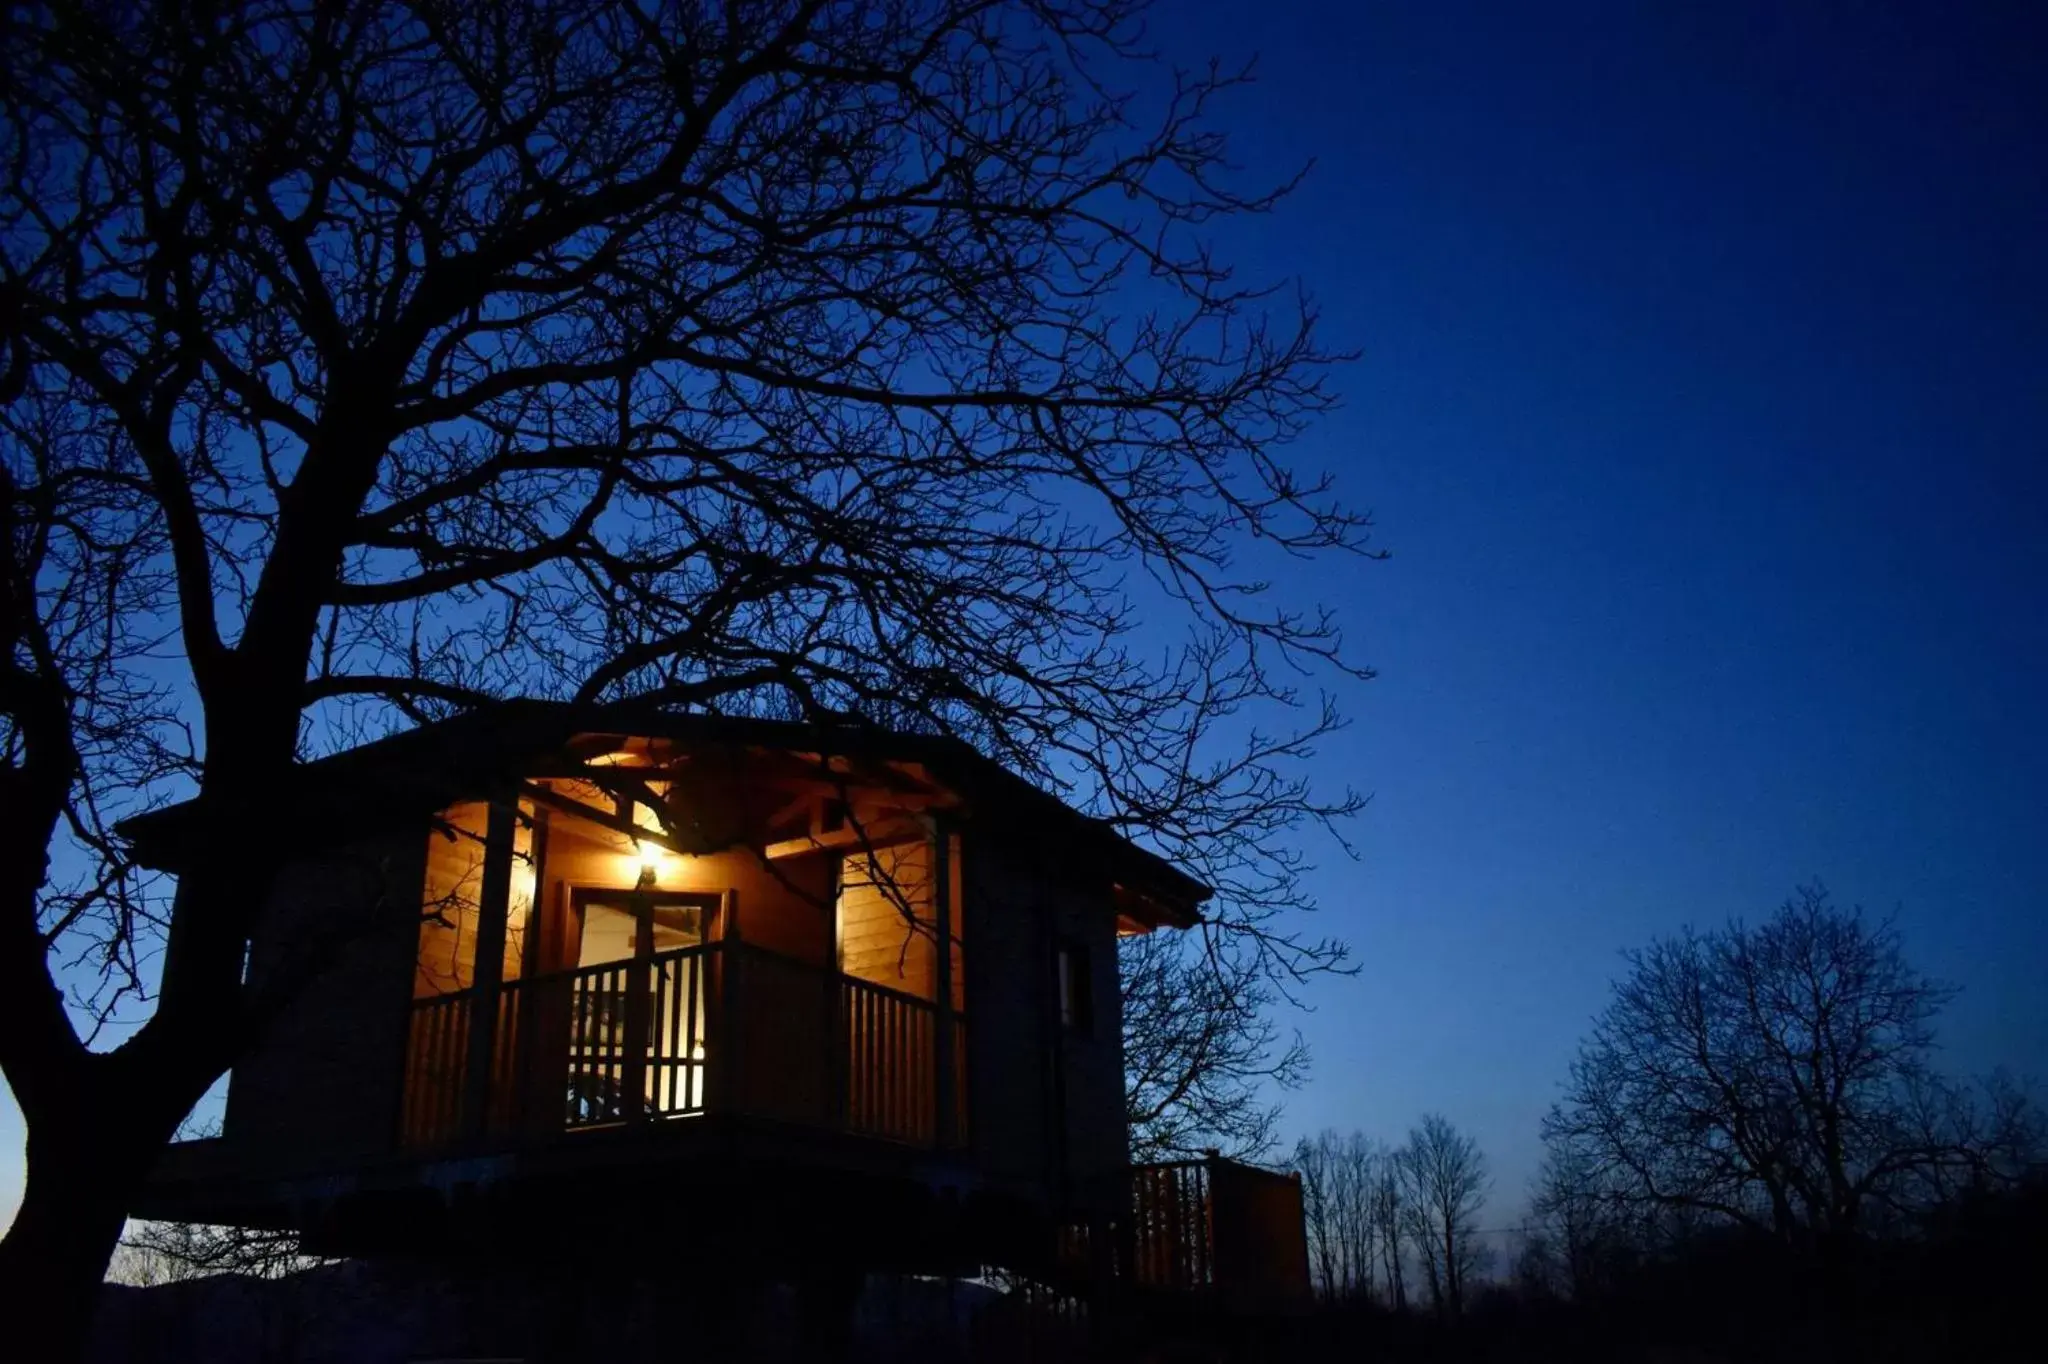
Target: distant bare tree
<point>1340,1178</point>
<point>1991,1134</point>
<point>295,1305</point>
<point>154,1253</point>
<point>1388,1215</point>
<point>364,363</point>
<point>1202,1054</point>
<point>1777,1077</point>
<point>1364,1159</point>
<point>1444,1184</point>
<point>1315,1161</point>
<point>1581,1228</point>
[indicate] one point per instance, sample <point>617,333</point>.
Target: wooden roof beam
<point>609,819</point>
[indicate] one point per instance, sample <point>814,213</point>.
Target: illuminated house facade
<point>561,975</point>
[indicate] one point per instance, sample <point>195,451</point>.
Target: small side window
<point>1077,1001</point>
<point>833,816</point>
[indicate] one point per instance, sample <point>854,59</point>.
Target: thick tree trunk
<point>55,1256</point>
<point>93,1138</point>
<point>98,1122</point>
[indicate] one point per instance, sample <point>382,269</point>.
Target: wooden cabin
<point>694,987</point>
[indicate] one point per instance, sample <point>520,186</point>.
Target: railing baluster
<point>663,1061</point>
<point>864,1008</point>
<point>700,1019</point>
<point>676,1063</point>
<point>615,1043</point>
<point>924,1110</point>
<point>863,1075</point>
<point>849,1009</point>
<point>869,1071</point>
<point>674,1058</point>
<point>891,1076</point>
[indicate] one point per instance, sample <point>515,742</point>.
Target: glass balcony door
<point>639,1005</point>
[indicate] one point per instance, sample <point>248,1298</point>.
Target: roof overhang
<point>407,778</point>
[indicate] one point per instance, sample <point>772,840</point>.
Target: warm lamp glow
<point>650,863</point>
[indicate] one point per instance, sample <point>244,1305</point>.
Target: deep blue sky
<point>1702,399</point>
<point>1702,404</point>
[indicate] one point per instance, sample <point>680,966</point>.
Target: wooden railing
<point>722,1027</point>
<point>635,1037</point>
<point>682,999</point>
<point>1209,1225</point>
<point>1170,1242</point>
<point>891,1062</point>
<point>436,1058</point>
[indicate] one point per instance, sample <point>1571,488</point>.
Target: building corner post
<point>487,971</point>
<point>945,1090</point>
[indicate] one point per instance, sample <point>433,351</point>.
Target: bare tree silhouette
<point>1353,1232</point>
<point>365,362</point>
<point>1582,1229</point>
<point>1200,1049</point>
<point>1778,1077</point>
<point>1389,1217</point>
<point>1444,1184</point>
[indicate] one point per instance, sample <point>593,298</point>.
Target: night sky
<point>1702,400</point>
<point>1702,395</point>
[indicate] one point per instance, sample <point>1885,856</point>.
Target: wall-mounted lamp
<point>650,864</point>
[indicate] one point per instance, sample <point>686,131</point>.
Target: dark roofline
<point>423,769</point>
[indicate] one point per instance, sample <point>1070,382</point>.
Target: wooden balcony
<point>1209,1228</point>
<point>721,1028</point>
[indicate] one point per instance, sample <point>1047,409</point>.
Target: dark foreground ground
<point>353,1314</point>
<point>1976,1292</point>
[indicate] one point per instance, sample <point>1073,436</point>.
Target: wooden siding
<point>1098,1142</point>
<point>1009,1048</point>
<point>449,902</point>
<point>1048,1103</point>
<point>319,1084</point>
<point>877,942</point>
